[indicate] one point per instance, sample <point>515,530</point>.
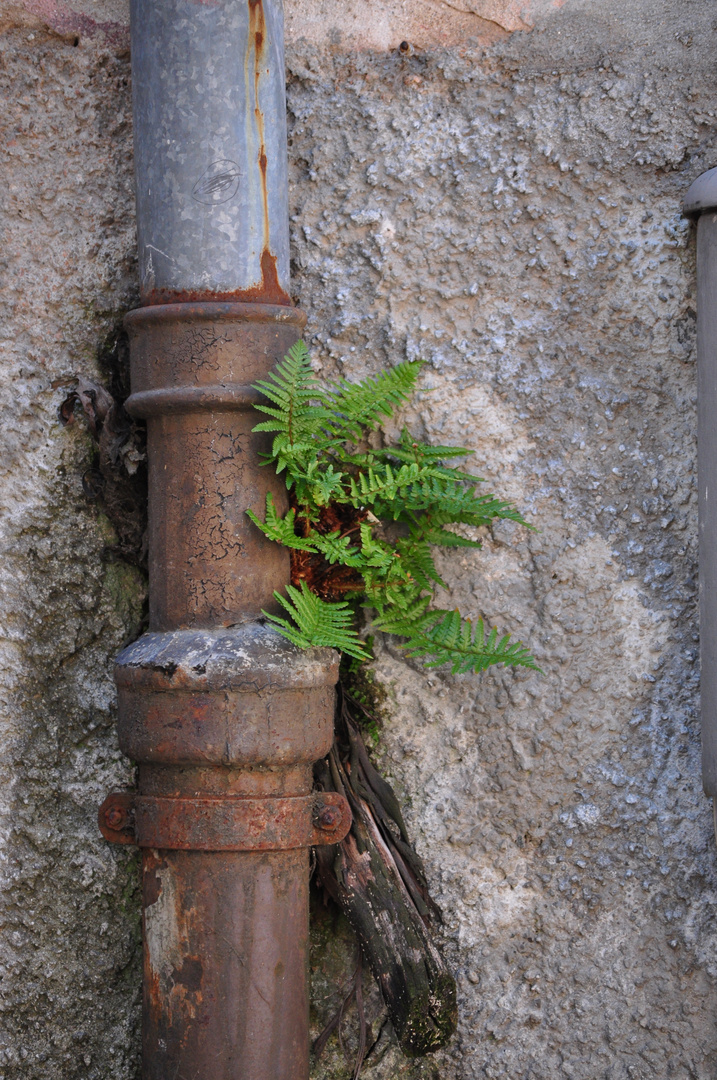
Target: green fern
<point>299,414</point>
<point>317,622</point>
<point>337,549</point>
<point>281,530</point>
<point>333,473</point>
<point>436,534</point>
<point>358,407</point>
<point>444,637</point>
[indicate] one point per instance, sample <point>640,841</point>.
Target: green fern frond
<point>373,551</point>
<point>317,622</point>
<point>444,637</point>
<point>382,483</point>
<point>327,485</point>
<point>409,616</point>
<point>299,411</point>
<point>336,548</point>
<point>432,534</point>
<point>280,530</point>
<point>448,502</point>
<point>292,456</point>
<point>419,488</point>
<point>425,454</point>
<point>361,405</point>
<point>417,561</point>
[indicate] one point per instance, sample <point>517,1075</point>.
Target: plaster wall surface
<point>503,201</point>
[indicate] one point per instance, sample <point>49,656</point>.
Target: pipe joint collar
<point>225,824</point>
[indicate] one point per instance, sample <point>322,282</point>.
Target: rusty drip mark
<point>264,189</point>
<point>269,276</point>
<point>257,34</point>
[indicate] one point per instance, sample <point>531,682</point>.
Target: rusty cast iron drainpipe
<point>701,205</point>
<point>223,716</point>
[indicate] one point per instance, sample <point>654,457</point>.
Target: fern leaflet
<point>316,622</point>
<point>444,637</point>
<point>281,530</point>
<point>361,405</point>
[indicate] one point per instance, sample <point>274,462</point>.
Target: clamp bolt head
<point>115,817</point>
<point>328,818</point>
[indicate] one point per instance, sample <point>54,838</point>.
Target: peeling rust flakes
<point>153,889</point>
<point>152,879</point>
<point>153,994</point>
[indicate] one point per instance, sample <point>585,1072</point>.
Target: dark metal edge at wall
<point>701,205</point>
<point>223,716</point>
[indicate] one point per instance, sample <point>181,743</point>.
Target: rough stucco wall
<point>510,212</point>
<point>69,926</point>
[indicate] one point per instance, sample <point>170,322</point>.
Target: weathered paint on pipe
<point>225,972</point>
<point>701,203</point>
<point>209,114</point>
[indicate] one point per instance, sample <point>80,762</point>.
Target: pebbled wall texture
<point>502,200</point>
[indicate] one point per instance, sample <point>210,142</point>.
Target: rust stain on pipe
<point>257,45</point>
<point>267,291</point>
<point>227,938</point>
<point>256,40</point>
<point>212,219</point>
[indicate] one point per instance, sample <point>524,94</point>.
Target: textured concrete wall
<point>504,202</point>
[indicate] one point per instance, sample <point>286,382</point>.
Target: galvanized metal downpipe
<point>701,204</point>
<point>224,717</point>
